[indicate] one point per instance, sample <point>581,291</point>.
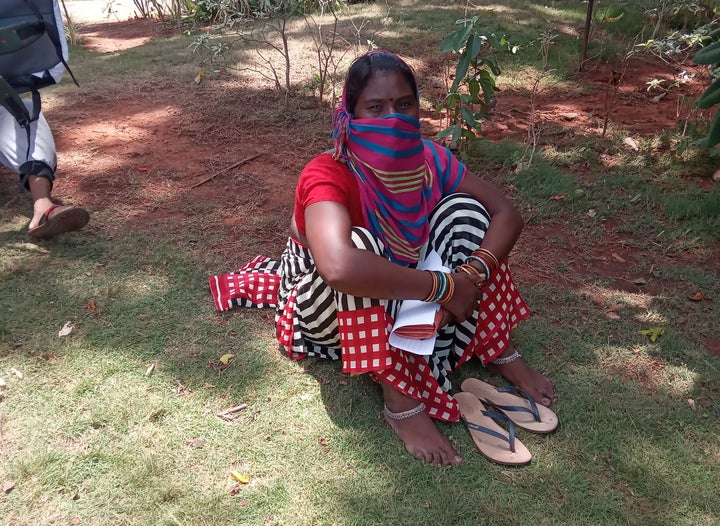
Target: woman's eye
<point>375,108</point>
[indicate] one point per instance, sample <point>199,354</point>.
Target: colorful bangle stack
<point>483,264</point>
<point>487,260</point>
<point>443,287</point>
<point>471,271</point>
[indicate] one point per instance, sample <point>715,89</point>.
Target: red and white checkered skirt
<point>314,320</point>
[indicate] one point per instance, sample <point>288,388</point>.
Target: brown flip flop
<point>497,444</point>
<point>67,220</point>
<point>522,410</point>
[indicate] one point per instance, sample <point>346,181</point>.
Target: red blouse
<point>325,179</point>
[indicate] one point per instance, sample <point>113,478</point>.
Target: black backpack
<point>29,44</point>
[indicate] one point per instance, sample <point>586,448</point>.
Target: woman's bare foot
<point>40,206</point>
<point>421,437</point>
<point>521,375</point>
<point>57,219</point>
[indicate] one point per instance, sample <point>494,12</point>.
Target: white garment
<point>14,141</point>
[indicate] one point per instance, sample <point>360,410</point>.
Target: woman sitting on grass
<point>364,217</point>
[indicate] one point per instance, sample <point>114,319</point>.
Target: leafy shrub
<point>710,55</point>
<point>472,93</point>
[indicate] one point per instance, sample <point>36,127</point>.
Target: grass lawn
<point>116,421</point>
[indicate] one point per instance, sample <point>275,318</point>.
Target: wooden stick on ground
<point>213,176</point>
<point>230,414</point>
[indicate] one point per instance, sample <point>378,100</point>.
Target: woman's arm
<point>506,223</point>
<point>355,271</point>
<point>362,273</point>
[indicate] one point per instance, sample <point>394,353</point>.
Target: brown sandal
<point>67,220</point>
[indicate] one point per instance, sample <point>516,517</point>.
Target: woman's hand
<point>464,300</point>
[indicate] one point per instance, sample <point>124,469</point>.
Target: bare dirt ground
<point>151,154</point>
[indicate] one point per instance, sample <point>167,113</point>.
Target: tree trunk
<point>586,34</point>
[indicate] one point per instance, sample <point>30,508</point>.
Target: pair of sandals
<point>493,441</point>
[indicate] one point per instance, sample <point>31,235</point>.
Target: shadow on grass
<point>630,449</point>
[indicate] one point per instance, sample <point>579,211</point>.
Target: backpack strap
<point>11,101</point>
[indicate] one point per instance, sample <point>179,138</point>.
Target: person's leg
<point>36,163</point>
<point>416,430</point>
<point>49,219</point>
<point>40,190</point>
<point>314,320</point>
<point>511,365</point>
<point>404,379</point>
<point>458,226</point>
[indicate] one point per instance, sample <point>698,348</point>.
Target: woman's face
<point>387,92</point>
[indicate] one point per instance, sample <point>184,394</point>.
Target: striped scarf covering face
<point>387,157</point>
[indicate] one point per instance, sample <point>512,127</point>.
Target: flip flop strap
<point>516,390</point>
<point>495,416</point>
<point>46,214</point>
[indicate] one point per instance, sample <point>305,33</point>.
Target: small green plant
<point>472,92</point>
<point>210,52</point>
<point>220,12</point>
<point>71,31</point>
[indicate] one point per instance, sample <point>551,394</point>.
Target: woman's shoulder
<point>325,166</point>
<point>325,179</point>
<point>327,161</point>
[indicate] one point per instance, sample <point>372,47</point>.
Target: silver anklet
<point>405,414</point>
<point>508,359</point>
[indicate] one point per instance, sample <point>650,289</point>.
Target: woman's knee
<point>363,239</point>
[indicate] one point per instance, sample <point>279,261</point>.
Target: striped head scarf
<point>388,158</point>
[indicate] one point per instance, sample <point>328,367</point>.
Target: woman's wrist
<point>442,288</point>
<point>474,273</point>
<point>484,260</point>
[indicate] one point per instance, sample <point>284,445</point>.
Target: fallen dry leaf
<point>225,358</point>
<point>698,296</point>
<point>691,403</point>
<point>16,373</point>
<point>653,333</point>
<point>150,369</point>
<point>195,442</point>
<point>716,175</point>
<point>557,198</point>
<point>618,258</point>
<point>8,486</point>
<point>66,329</point>
<point>241,478</point>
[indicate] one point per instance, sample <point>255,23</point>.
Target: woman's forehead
<point>387,83</point>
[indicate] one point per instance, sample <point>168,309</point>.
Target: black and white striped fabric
<point>457,227</point>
